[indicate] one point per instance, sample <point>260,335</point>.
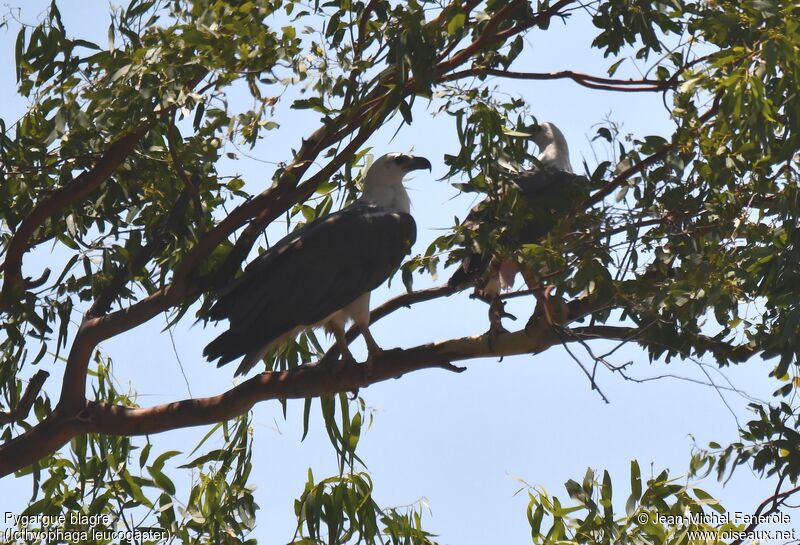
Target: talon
<point>496,314</point>
<point>347,358</point>
<point>495,330</point>
<point>508,315</point>
<point>497,311</point>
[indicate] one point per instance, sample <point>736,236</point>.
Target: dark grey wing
<point>548,194</point>
<point>230,297</point>
<point>473,265</point>
<point>551,188</point>
<point>309,275</point>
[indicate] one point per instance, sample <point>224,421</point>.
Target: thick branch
<point>306,381</point>
<point>43,439</point>
<point>311,380</point>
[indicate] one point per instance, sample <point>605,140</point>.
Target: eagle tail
<point>226,348</point>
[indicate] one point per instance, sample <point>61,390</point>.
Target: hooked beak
<point>418,163</point>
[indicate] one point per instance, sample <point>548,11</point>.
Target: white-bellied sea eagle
<point>548,193</point>
<point>322,273</point>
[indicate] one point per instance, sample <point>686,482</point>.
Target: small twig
<point>586,80</point>
<point>776,500</point>
<point>35,283</point>
<point>577,360</point>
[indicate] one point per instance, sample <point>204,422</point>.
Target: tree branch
<point>722,351</point>
<point>75,415</point>
<point>777,499</point>
<point>310,380</point>
<point>50,205</point>
<point>586,80</point>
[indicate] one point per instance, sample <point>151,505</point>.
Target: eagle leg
<point>547,306</point>
<point>373,349</point>
<point>341,342</point>
<point>552,309</point>
<point>487,287</point>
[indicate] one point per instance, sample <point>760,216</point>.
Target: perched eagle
<point>322,273</point>
<point>547,193</point>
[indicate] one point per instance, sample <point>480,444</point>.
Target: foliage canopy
<point>690,247</point>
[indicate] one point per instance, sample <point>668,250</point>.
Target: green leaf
<point>606,490</point>
<point>613,68</point>
<point>162,480</point>
<point>636,480</point>
<point>235,185</point>
<point>456,23</point>
<point>161,460</point>
<point>144,454</point>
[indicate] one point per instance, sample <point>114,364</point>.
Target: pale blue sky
<point>456,440</point>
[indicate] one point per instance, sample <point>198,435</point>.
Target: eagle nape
<point>322,273</point>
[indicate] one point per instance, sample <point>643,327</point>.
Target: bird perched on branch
<point>548,192</point>
<point>322,273</point>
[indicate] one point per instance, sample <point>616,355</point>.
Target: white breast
<point>392,196</point>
